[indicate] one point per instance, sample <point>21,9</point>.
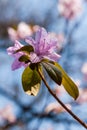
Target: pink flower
<point>43,46</point>
<point>56,108</point>
<point>69,8</point>
<point>22,31</point>
<point>7,114</point>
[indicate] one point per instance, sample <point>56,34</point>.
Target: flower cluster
<point>69,8</point>
<point>42,47</point>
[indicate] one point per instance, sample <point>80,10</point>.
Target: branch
<point>60,102</point>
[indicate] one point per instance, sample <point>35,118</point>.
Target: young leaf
<point>53,72</point>
<point>24,58</point>
<point>68,84</point>
<point>26,48</point>
<point>31,81</point>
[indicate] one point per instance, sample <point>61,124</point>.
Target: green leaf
<point>26,48</point>
<point>68,84</point>
<point>53,72</point>
<point>31,81</point>
<point>24,58</point>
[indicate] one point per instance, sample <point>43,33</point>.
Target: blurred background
<point>67,20</point>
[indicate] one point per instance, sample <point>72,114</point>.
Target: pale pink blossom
<point>61,40</point>
<point>59,90</point>
<point>82,96</point>
<point>22,31</point>
<point>55,107</point>
<point>84,70</point>
<point>35,28</point>
<point>69,8</point>
<point>7,114</point>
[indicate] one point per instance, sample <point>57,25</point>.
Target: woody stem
<point>60,102</point>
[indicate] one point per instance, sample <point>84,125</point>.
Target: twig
<point>62,104</point>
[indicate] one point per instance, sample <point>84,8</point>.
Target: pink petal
<point>17,64</point>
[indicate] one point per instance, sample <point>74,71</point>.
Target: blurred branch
<point>25,120</point>
<point>28,113</point>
